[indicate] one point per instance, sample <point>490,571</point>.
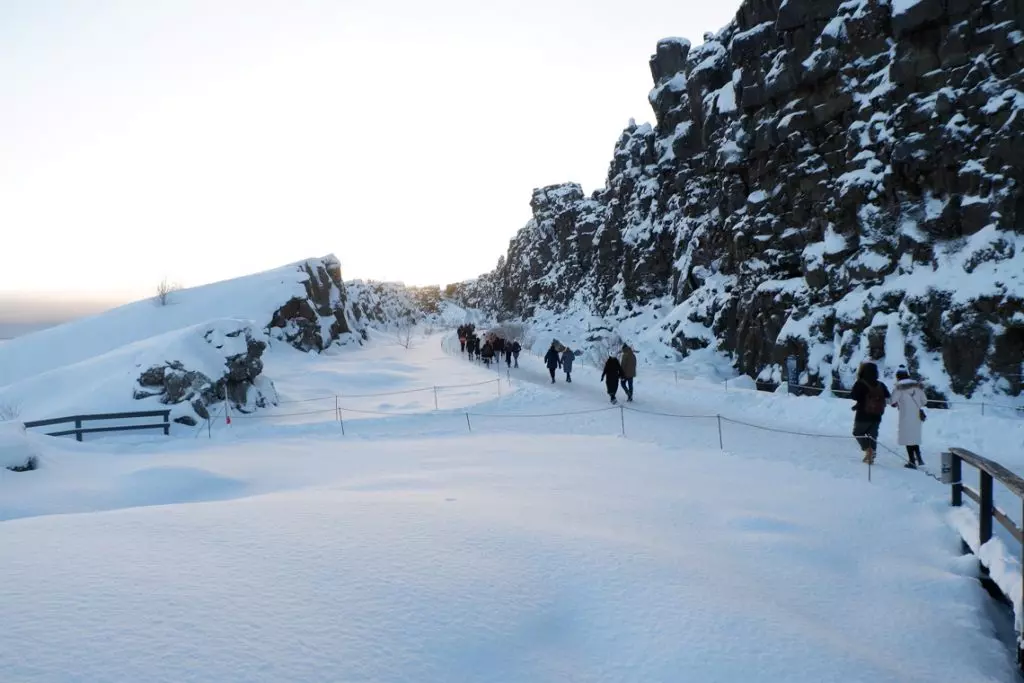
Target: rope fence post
<point>982,407</point>
<point>341,420</point>
<point>622,419</point>
<point>498,382</point>
<point>468,425</point>
<point>721,445</point>
<point>209,427</point>
<point>337,408</point>
<point>435,398</point>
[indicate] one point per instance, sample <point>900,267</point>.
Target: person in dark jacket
<point>628,364</point>
<point>871,397</point>
<point>567,359</point>
<point>611,375</point>
<point>552,360</point>
<point>487,353</point>
<point>508,354</point>
<point>516,350</point>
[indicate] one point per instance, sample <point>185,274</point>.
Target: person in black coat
<point>871,397</point>
<point>516,349</point>
<point>553,360</point>
<point>611,375</point>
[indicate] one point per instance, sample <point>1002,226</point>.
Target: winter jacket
<point>612,372</point>
<point>861,392</point>
<point>910,398</point>
<point>551,359</point>
<point>487,351</point>
<point>516,348</point>
<point>567,358</point>
<point>628,363</point>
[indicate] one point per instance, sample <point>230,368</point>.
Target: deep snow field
<point>542,545</point>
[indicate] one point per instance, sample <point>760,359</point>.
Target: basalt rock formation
<point>836,181</point>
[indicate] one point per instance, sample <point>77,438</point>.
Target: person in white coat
<point>909,397</point>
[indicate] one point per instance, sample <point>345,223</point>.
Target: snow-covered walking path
<point>530,549</point>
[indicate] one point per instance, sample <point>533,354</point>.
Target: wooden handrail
<point>989,472</point>
<point>79,430</point>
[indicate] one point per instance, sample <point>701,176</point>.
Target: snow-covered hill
<point>199,347</point>
<point>831,180</point>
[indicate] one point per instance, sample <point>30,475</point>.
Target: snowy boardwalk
<point>407,551</point>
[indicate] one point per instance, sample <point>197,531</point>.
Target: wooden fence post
<point>958,487</point>
<point>985,509</point>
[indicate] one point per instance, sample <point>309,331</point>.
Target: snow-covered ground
<point>512,534</point>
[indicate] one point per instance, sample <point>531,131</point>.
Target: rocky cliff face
<point>833,180</point>
<point>314,322</point>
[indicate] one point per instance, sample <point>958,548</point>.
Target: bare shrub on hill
<point>164,290</point>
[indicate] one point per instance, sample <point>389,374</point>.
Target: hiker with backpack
<point>871,397</point>
<point>909,398</point>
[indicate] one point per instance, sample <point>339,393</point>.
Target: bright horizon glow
<point>203,141</point>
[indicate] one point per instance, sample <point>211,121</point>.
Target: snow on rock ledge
<point>321,318</point>
<point>208,364</point>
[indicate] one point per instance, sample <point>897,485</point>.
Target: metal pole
<point>622,419</point>
<point>337,409</point>
<point>209,430</point>
<point>341,419</point>
<point>869,470</point>
<point>982,407</point>
<point>468,425</point>
<point>721,446</point>
<point>435,398</point>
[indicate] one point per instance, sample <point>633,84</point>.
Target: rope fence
<point>477,419</point>
<point>845,393</point>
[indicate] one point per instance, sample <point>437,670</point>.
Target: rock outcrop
<point>198,381</point>
<point>832,180</point>
<point>321,317</point>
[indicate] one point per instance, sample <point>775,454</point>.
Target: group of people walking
<point>617,370</point>
<point>493,348</point>
<point>871,397</point>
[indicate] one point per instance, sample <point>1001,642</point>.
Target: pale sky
<point>207,139</point>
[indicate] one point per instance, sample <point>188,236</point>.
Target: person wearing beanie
<point>909,398</point>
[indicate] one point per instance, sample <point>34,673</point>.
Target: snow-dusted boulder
<point>209,364</point>
<point>321,317</point>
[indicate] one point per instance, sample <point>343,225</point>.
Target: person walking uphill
<point>628,371</point>
<point>567,359</point>
<point>871,397</point>
<point>552,360</point>
<point>611,375</point>
<point>516,349</point>
<point>909,397</point>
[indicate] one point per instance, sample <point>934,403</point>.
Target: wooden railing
<point>79,430</point>
<point>989,472</point>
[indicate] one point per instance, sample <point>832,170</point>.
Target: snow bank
<point>17,447</point>
<point>109,381</point>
